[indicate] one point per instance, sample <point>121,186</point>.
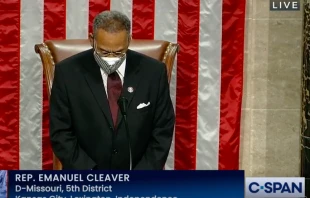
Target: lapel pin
<point>130,89</point>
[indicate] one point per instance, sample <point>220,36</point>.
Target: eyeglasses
<point>105,53</point>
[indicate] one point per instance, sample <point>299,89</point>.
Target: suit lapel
<point>131,79</point>
<point>95,83</point>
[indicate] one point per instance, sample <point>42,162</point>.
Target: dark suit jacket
<point>81,131</point>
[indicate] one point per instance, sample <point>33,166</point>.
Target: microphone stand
<point>129,142</point>
<point>122,103</point>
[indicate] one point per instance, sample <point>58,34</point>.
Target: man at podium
<point>94,91</point>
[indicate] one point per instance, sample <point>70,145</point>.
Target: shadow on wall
<point>305,129</point>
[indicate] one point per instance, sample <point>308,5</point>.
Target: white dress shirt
<point>120,71</point>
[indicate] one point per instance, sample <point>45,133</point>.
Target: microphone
<point>123,103</point>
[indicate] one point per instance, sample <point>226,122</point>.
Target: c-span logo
<point>275,187</point>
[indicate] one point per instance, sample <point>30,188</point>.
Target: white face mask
<point>110,60</point>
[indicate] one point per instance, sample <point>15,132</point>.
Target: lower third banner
<point>133,184</point>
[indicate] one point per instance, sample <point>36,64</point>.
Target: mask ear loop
<point>95,45</point>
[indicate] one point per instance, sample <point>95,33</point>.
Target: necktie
<point>114,87</point>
